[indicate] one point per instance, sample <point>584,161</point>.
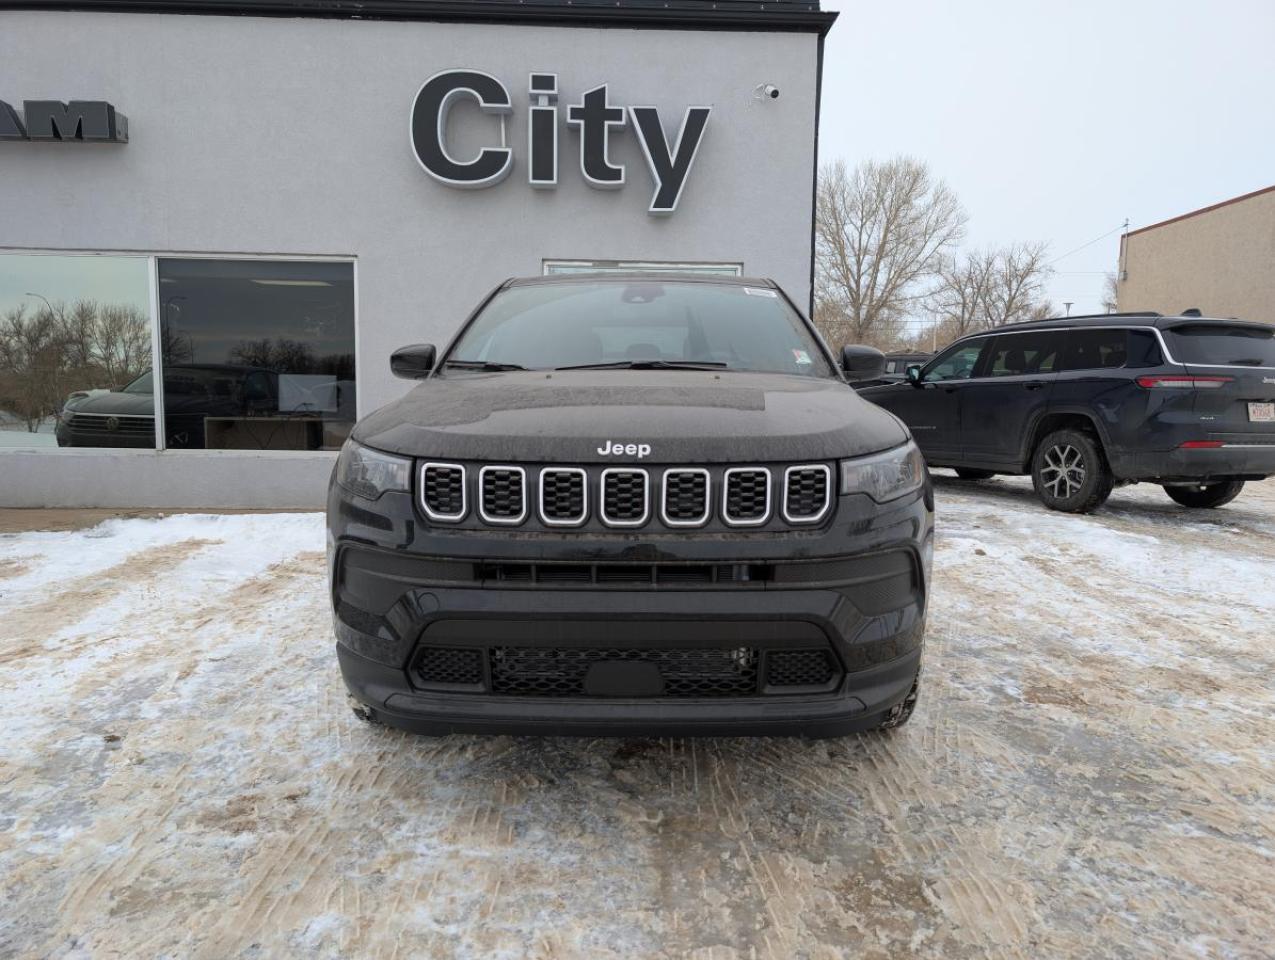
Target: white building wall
<point>290,136</point>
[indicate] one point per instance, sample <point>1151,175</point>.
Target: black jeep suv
<point>1085,403</point>
<point>632,504</point>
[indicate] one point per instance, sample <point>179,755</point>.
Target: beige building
<point>1220,259</point>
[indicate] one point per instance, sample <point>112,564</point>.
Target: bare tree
<point>122,342</point>
<point>1109,293</point>
<point>1018,283</point>
<point>959,299</point>
<point>984,289</point>
<point>30,360</point>
<point>881,231</point>
<point>281,354</point>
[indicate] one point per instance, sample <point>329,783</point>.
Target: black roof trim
<point>773,15</point>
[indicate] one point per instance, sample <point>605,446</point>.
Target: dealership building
<point>263,199</point>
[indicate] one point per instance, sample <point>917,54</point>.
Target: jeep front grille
<point>562,671</point>
<point>806,493</point>
<point>685,498</point>
<point>746,496</point>
<point>799,668</point>
<point>443,491</point>
<point>573,497</point>
<point>626,497</point>
<point>564,496</point>
<point>503,494</point>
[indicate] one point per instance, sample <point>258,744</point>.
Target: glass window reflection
<point>75,345</point>
<point>257,355</point>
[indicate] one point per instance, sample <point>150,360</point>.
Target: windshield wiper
<point>648,365</point>
<point>482,365</point>
<point>1248,361</point>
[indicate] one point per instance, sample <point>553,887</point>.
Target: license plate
<point>1261,412</point>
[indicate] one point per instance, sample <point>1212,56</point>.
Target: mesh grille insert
<point>806,493</point>
<point>685,497</point>
<point>799,668</point>
<point>504,494</point>
<point>747,496</point>
<point>624,497</point>
<point>561,671</point>
<point>562,496</point>
<point>444,490</point>
<point>449,665</point>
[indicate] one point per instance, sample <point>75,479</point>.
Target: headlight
<point>884,476</point>
<point>370,473</point>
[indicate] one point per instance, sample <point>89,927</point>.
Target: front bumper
<point>533,624</point>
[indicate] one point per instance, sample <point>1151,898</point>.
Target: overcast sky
<point>1056,121</point>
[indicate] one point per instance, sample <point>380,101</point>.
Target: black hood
<point>685,416</point>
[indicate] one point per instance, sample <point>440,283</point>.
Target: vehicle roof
<point>1141,319</point>
<point>643,275</point>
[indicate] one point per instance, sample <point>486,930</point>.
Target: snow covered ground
<point>1091,770</point>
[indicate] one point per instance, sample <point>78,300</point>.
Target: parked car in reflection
<point>214,406</point>
<point>896,368</point>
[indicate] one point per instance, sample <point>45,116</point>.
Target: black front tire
<point>1205,496</point>
<point>1070,472</point>
<point>967,473</point>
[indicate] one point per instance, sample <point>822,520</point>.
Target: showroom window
<point>75,351</point>
<point>257,354</point>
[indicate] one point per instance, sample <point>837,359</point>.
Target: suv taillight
<point>1181,382</point>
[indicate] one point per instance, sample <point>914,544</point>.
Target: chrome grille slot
<point>626,497</point>
<point>807,493</point>
<point>502,494</point>
<point>685,497</point>
<point>746,496</point>
<point>443,491</point>
<point>564,496</point>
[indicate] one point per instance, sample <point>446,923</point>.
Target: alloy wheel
<point>1063,472</point>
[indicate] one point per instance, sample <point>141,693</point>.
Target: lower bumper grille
<point>629,672</point>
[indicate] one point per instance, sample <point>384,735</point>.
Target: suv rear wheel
<point>1206,495</point>
<point>1070,472</point>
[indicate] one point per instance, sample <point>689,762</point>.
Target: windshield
<point>553,325</point>
<point>1223,344</point>
<point>142,384</point>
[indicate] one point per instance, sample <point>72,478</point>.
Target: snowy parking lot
<point>1090,772</point>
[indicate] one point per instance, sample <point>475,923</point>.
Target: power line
<point>1090,243</point>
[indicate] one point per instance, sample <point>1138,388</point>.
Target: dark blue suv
<point>1086,403</point>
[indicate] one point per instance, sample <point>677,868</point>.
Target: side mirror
<point>914,374</point>
<point>414,362</point>
<point>862,363</point>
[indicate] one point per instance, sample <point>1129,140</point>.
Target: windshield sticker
<point>757,292</point>
<point>800,356</point>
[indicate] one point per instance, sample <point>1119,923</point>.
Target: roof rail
<point>1081,316</point>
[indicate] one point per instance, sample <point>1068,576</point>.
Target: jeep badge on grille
<point>613,449</point>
